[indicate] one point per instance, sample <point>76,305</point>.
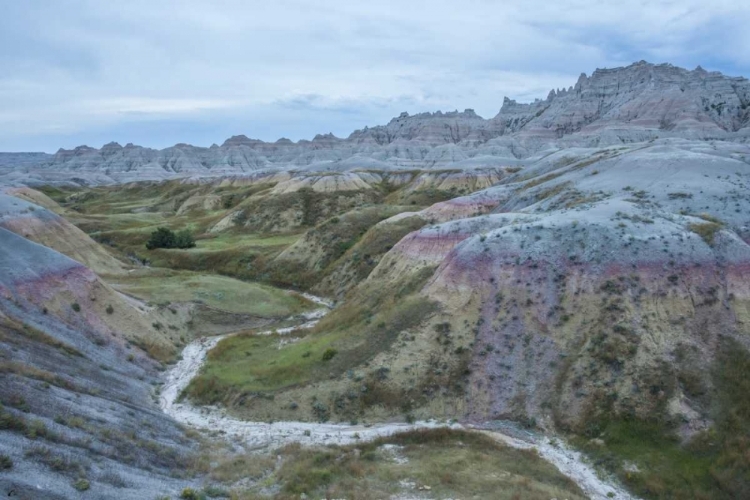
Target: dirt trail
<point>264,435</point>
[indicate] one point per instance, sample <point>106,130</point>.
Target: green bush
<point>5,462</point>
<point>228,201</point>
<point>191,494</point>
<point>110,309</point>
<point>166,238</point>
<point>329,354</point>
<point>82,484</point>
<point>75,306</point>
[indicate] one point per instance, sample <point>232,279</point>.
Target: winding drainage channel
<point>263,434</point>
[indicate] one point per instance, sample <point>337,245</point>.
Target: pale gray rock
<point>633,104</point>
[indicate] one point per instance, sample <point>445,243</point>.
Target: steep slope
<point>49,229</point>
<point>77,411</point>
<point>71,294</point>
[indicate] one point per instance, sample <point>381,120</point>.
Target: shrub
<point>184,239</point>
<point>228,201</point>
<point>329,354</point>
<point>82,484</point>
<point>110,309</point>
<point>190,494</point>
<point>75,306</point>
<point>166,238</point>
<point>5,462</point>
<point>161,238</point>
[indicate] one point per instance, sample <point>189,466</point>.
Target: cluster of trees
<point>166,238</point>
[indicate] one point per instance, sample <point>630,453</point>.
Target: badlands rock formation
<point>77,397</point>
<point>595,281</point>
<point>613,106</point>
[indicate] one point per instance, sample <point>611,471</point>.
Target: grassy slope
<point>243,365</point>
<point>228,294</point>
<point>339,225</point>
<point>452,464</point>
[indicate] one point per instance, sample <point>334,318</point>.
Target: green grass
<point>357,331</point>
<point>234,240</point>
<point>453,464</point>
<point>665,468</point>
<point>248,363</point>
<point>228,294</point>
<point>714,464</point>
<point>706,230</point>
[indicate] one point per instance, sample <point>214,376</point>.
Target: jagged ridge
<point>622,105</point>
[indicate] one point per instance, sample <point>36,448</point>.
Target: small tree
<point>228,201</point>
<point>161,238</point>
<point>166,238</point>
<point>184,239</point>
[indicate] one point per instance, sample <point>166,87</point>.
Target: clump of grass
<point>679,196</point>
<point>57,462</point>
<point>232,469</point>
<point>32,372</point>
<point>710,218</point>
<point>11,422</point>
<point>40,336</point>
<point>706,230</point>
<point>82,484</point>
<point>191,494</point>
<point>215,492</point>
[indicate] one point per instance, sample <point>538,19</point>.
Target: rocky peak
<point>110,149</point>
<point>325,137</point>
<point>241,140</point>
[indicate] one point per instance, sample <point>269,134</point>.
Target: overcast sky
<point>156,72</point>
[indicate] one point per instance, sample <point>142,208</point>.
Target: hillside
<point>81,370</point>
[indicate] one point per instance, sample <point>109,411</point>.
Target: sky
<point>160,72</point>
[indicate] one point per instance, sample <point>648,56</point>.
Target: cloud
<point>71,72</point>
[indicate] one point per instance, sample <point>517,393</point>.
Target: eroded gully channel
<point>270,435</point>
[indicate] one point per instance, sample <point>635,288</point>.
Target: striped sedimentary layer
<point>569,317</point>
